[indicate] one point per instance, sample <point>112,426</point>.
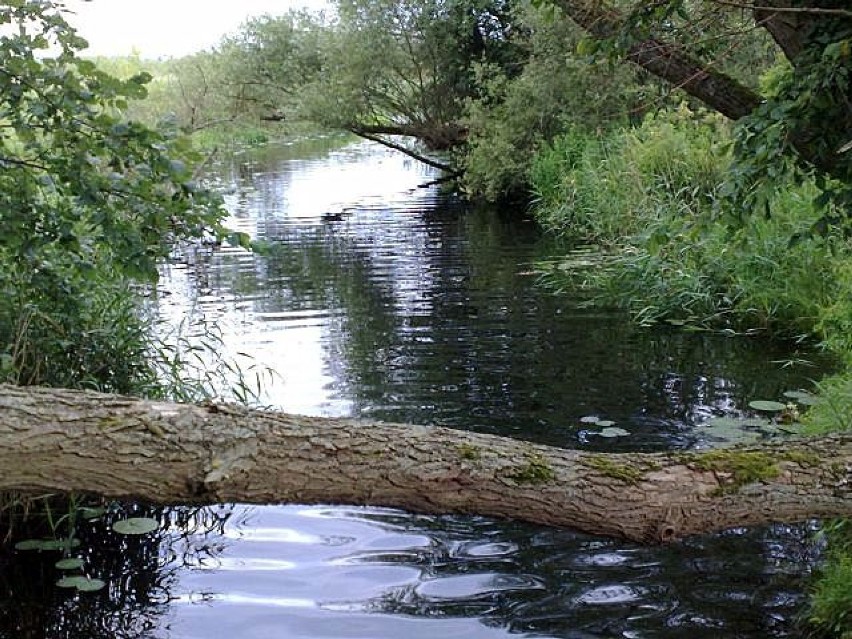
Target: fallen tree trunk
<point>60,440</point>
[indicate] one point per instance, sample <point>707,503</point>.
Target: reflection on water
<point>291,571</point>
<point>387,300</point>
<point>449,572</point>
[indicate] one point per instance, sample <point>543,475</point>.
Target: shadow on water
<point>385,300</point>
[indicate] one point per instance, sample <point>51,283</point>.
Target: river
<point>381,298</point>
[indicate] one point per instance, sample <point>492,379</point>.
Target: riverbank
<point>673,247</point>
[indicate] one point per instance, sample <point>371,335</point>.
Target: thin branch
<point>26,163</point>
<point>203,164</point>
<point>403,149</point>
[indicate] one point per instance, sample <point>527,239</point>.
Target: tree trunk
<point>666,60</point>
<point>61,440</point>
<point>673,62</point>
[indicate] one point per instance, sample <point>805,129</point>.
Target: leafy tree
<point>516,113</point>
<point>803,126</point>
<point>89,202</point>
<point>266,66</point>
<point>380,69</point>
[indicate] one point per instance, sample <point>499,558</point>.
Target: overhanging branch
<point>443,166</point>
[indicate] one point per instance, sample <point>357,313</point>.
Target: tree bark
<point>784,27</point>
<point>120,447</point>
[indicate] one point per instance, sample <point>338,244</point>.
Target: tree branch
<point>816,11</point>
<point>666,60</point>
<point>443,166</point>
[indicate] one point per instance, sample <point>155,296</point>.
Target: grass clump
<point>652,197</point>
<point>832,411</point>
<point>830,610</point>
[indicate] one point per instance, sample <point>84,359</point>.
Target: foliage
<point>516,113</point>
<point>90,202</point>
<point>429,49</point>
<point>806,116</point>
<point>800,130</point>
<point>833,411</point>
<point>650,198</point>
<point>379,68</point>
<point>830,609</point>
<point>265,69</point>
<point>195,94</point>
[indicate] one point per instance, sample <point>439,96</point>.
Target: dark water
<point>382,299</point>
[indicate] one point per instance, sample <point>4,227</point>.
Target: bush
<point>557,90</point>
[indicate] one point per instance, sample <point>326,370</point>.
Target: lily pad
<point>614,432</point>
<point>804,398</point>
<point>767,406</point>
<point>60,544</point>
<point>69,563</point>
<point>606,423</point>
<point>47,544</point>
<point>735,430</point>
<point>90,512</point>
<point>795,394</point>
<point>136,526</point>
<point>81,583</point>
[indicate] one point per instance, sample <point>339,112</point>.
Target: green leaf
<point>734,430</point>
<point>47,544</point>
<point>60,544</point>
<point>613,432</point>
<point>70,563</point>
<point>30,544</point>
<point>136,526</point>
<point>81,583</point>
<point>767,406</point>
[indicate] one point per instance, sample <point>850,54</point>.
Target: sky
<point>163,28</point>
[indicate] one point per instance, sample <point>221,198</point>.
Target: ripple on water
<point>476,586</point>
<point>479,550</point>
<point>602,560</point>
<point>612,594</point>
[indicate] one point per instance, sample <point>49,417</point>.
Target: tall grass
<point>650,197</point>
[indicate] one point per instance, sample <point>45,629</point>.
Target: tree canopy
<point>803,121</point>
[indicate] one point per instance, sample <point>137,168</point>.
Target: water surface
<point>383,299</point>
